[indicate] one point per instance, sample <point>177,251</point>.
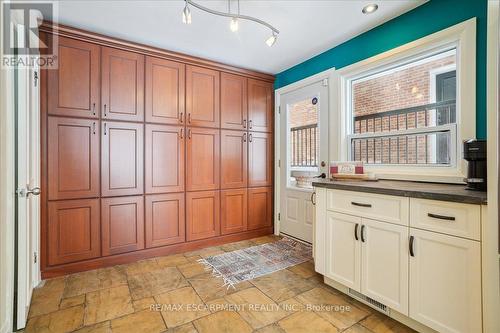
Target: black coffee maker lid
<point>474,149</point>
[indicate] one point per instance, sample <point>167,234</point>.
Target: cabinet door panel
<point>202,159</point>
<point>122,225</point>
<point>122,85</point>
<point>260,106</point>
<point>122,159</point>
<point>385,245</point>
<point>260,207</point>
<point>73,158</point>
<point>233,211</point>
<point>165,82</point>
<point>260,159</point>
<point>164,159</point>
<point>202,215</point>
<point>165,219</point>
<point>233,103</point>
<point>233,159</point>
<point>202,97</point>
<point>343,250</point>
<point>74,86</point>
<point>73,231</point>
<point>445,282</point>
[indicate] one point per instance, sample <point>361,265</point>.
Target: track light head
<point>271,40</point>
<point>234,24</point>
<point>186,15</point>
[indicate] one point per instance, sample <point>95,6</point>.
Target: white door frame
<point>333,118</point>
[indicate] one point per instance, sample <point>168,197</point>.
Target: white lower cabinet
<point>445,282</point>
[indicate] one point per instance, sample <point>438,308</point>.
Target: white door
<point>303,148</point>
<point>445,282</point>
<point>384,263</point>
<point>343,249</point>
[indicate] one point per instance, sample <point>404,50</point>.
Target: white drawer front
<point>374,206</point>
<point>456,219</point>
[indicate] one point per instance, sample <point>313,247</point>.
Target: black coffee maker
<point>475,155</point>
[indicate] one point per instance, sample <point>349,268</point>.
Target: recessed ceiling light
<point>371,8</point>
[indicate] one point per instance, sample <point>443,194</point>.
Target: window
<point>405,113</point>
<point>303,134</point>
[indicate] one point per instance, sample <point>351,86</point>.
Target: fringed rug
<point>246,264</point>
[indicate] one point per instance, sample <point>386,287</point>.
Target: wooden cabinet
<point>164,159</point>
<point>233,210</point>
<point>260,207</point>
<point>122,80</point>
<point>445,282</point>
<point>260,106</point>
<point>122,224</point>
<point>165,83</point>
<point>202,215</point>
<point>385,245</point>
<point>233,159</point>
<point>74,85</point>
<point>233,101</point>
<point>202,159</point>
<point>73,231</point>
<point>260,159</point>
<point>73,158</point>
<point>165,220</point>
<point>202,97</point>
<point>122,159</point>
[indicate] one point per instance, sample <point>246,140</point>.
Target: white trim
<point>463,35</point>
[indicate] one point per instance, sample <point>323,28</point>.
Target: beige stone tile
<point>72,301</point>
<point>85,282</point>
<point>265,239</point>
<point>194,258</point>
<point>357,329</point>
<point>172,260</point>
<point>143,321</point>
<point>186,328</point>
<point>46,298</point>
<point>332,307</point>
<point>273,328</point>
<point>111,277</point>
<point>222,322</point>
<point>155,282</point>
<point>140,267</point>
<point>107,304</point>
<point>292,305</point>
<point>192,269</point>
<point>185,306</point>
<point>256,308</point>
<point>144,303</point>
<point>104,327</point>
<point>206,252</point>
<point>61,321</point>
<point>305,270</point>
<point>236,246</point>
<point>282,285</point>
<point>210,287</point>
<point>306,322</point>
<point>379,323</point>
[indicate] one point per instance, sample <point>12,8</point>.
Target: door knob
<point>34,191</point>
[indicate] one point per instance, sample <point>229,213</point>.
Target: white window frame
<point>463,37</point>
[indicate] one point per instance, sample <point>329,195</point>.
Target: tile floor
<point>176,294</point>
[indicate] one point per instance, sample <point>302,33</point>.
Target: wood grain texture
<point>260,159</point>
<point>233,211</point>
<point>260,207</point>
<point>202,159</point>
<point>202,97</point>
<point>202,215</point>
<point>233,101</point>
<point>165,219</point>
<point>260,106</point>
<point>234,159</point>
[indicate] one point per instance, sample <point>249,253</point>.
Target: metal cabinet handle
<point>181,116</point>
<point>244,137</point>
<point>363,233</point>
<point>244,123</point>
<point>93,127</point>
<point>250,137</point>
<point>93,109</point>
<point>441,217</point>
<point>105,132</point>
<point>189,117</point>
<point>356,231</point>
<point>360,204</point>
<point>105,114</point>
<point>410,245</point>
<point>313,198</point>
<point>189,133</point>
<point>250,124</point>
<point>182,133</point>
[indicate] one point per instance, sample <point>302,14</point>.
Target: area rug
<point>246,264</point>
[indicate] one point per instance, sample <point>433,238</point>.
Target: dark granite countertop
<point>433,191</point>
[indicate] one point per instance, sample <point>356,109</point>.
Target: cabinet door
<point>233,159</point>
<point>445,282</point>
<point>122,159</point>
<point>73,231</point>
<point>202,160</point>
<point>165,82</point>
<point>384,266</point>
<point>73,158</point>
<point>202,215</point>
<point>122,224</point>
<point>75,85</point>
<point>260,159</point>
<point>260,106</point>
<point>233,211</point>
<point>202,97</point>
<point>165,219</point>
<point>233,101</point>
<point>260,207</point>
<point>122,85</point>
<point>343,260</point>
<point>164,159</point>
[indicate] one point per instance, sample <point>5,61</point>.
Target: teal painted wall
<point>431,17</point>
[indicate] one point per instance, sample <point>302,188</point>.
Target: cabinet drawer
<point>457,219</point>
<point>375,206</point>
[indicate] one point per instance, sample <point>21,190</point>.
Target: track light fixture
<point>186,14</point>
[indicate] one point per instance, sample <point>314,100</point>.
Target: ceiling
<point>307,28</point>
